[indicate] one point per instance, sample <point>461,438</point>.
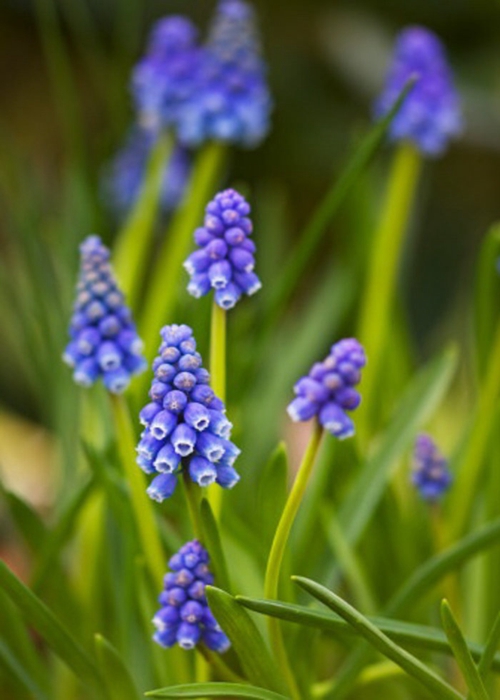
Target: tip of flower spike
<point>430,473</point>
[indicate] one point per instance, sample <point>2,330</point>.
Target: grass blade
<point>462,654</point>
<point>247,641</point>
<point>211,539</point>
<point>380,641</point>
<point>117,678</point>
<point>488,657</point>
<point>215,690</point>
<point>49,627</point>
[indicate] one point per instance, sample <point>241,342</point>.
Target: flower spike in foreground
<point>430,472</point>
<point>185,424</point>
<point>430,115</point>
<point>232,102</point>
<point>104,342</point>
<point>185,618</point>
<point>327,392</point>
<point>225,259</point>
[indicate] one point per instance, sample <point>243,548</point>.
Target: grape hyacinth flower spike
<point>232,103</point>
<point>430,473</point>
<point>126,174</point>
<point>431,114</point>
<point>225,259</point>
<point>104,341</point>
<point>327,392</point>
<point>184,617</point>
<point>166,77</point>
<point>185,426</point>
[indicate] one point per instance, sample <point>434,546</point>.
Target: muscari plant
<point>146,580</point>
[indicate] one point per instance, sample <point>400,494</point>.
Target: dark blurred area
<point>327,61</point>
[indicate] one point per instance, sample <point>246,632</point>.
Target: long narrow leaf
<point>380,641</point>
<point>462,654</point>
<point>54,633</point>
<point>211,538</point>
<point>215,690</point>
<point>117,678</point>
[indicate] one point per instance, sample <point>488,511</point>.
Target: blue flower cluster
<point>225,260</point>
<point>328,390</point>
<point>127,172</point>
<point>104,342</point>
<point>430,472</point>
<point>185,618</point>
<point>430,115</point>
<point>168,75</point>
<point>232,103</point>
<point>185,423</point>
<point>217,91</point>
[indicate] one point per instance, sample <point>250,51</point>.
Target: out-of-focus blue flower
<point>168,75</point>
<point>431,114</point>
<point>185,423</point>
<point>127,173</point>
<point>327,392</point>
<point>104,342</point>
<point>430,473</point>
<point>225,258</point>
<point>232,103</point>
<point>184,617</point>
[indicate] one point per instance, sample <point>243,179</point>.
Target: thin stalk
<point>162,291</point>
<point>383,269</point>
<point>218,380</point>
<point>470,465</point>
<point>193,506</point>
<point>278,549</point>
<point>134,240</point>
<point>141,505</point>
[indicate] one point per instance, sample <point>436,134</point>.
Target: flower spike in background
<point>430,473</point>
<point>104,342</point>
<point>185,423</point>
<point>225,259</point>
<point>185,618</point>
<point>166,77</point>
<point>327,392</point>
<point>431,114</point>
<point>126,174</point>
<point>232,101</point>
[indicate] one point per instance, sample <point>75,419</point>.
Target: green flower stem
<point>218,380</point>
<point>471,458</point>
<point>383,271</point>
<point>134,240</point>
<point>193,505</point>
<point>141,504</point>
<point>278,549</point>
<point>165,277</point>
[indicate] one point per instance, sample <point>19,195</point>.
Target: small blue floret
<point>327,392</point>
<point>185,618</point>
<point>104,342</point>
<point>430,473</point>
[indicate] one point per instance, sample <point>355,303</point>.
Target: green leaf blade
<point>215,690</point>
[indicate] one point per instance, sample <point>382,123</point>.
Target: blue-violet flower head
<point>168,74</point>
<point>225,258</point>
<point>431,114</point>
<point>185,426</point>
<point>430,473</point>
<point>127,172</point>
<point>104,342</point>
<point>327,392</point>
<point>184,617</point>
<point>232,103</point>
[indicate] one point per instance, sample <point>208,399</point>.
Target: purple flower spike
<point>167,76</point>
<point>125,175</point>
<point>431,114</point>
<point>104,342</point>
<point>232,102</point>
<point>327,392</point>
<point>225,260</point>
<point>430,472</point>
<point>185,427</point>
<point>185,618</point>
